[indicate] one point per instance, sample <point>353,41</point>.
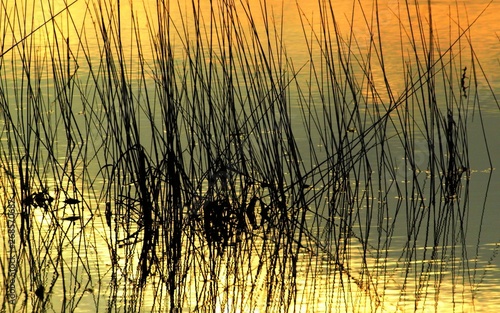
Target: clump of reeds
<point>180,152</point>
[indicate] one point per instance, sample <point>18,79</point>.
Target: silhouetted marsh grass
<point>179,153</point>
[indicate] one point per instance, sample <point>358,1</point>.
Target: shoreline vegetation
<point>198,167</point>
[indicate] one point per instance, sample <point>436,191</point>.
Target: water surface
<point>377,228</point>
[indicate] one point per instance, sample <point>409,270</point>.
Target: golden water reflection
<point>322,285</point>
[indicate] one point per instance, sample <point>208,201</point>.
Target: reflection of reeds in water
<point>212,198</point>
